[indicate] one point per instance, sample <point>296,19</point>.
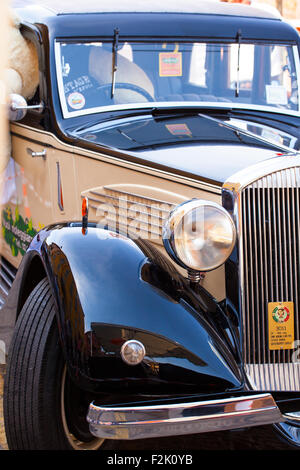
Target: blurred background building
<point>289,9</point>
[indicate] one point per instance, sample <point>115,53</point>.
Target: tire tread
<point>25,396</point>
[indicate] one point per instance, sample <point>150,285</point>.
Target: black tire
<point>37,385</point>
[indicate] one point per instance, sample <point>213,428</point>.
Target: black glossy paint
<point>205,148</point>
<point>108,289</point>
<point>140,134</point>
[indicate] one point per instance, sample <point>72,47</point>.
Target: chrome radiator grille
<point>270,272</point>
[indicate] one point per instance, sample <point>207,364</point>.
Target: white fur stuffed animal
<point>22,75</point>
<point>22,72</point>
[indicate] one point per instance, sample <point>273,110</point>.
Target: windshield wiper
<point>237,84</point>
<point>114,60</point>
<point>239,131</point>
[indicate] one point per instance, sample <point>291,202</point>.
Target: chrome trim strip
<point>295,416</point>
<point>243,178</point>
<point>139,422</point>
<point>59,188</point>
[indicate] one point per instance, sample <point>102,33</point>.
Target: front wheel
<point>43,408</point>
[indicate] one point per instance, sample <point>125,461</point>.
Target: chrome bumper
<point>139,422</point>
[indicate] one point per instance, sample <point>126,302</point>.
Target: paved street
<point>3,443</point>
<point>262,438</point>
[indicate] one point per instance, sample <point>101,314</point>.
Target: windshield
<point>95,77</point>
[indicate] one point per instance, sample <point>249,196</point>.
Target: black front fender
<point>109,288</point>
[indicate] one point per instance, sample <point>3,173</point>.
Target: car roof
<point>184,19</point>
<point>214,7</point>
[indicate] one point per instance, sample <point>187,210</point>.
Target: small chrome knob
<point>133,352</point>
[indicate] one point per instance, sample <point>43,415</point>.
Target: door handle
<point>42,154</point>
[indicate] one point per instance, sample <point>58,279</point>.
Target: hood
<point>192,144</point>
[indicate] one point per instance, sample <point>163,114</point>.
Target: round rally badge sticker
<point>76,100</point>
<point>281,314</point>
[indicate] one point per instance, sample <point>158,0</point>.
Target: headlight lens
<point>199,235</point>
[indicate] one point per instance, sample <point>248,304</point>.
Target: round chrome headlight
<point>199,235</point>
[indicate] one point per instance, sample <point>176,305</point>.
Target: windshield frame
<point>168,104</point>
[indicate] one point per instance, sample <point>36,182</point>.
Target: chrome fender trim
<point>139,422</point>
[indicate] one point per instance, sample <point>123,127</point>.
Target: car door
<point>26,196</point>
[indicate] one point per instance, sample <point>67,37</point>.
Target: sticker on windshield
<point>76,100</point>
<point>276,94</point>
<point>170,64</point>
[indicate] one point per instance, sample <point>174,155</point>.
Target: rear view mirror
<point>18,107</point>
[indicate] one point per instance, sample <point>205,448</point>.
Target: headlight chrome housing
<point>199,235</point>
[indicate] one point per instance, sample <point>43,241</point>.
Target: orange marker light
<point>85,212</point>
<point>85,207</point>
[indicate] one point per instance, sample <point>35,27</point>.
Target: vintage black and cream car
<point>150,225</point>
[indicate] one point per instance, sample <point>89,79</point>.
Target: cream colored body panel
<point>27,189</point>
<point>82,171</point>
